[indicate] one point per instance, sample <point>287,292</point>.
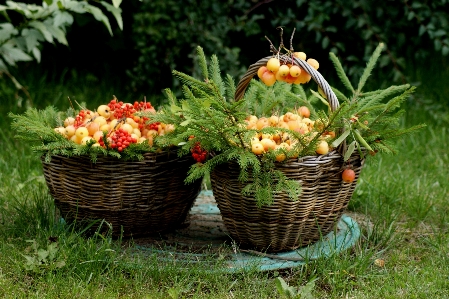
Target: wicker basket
<point>287,224</point>
<point>136,198</point>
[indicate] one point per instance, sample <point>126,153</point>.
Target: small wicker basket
<point>287,224</point>
<point>136,198</point>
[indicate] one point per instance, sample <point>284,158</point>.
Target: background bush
<point>161,35</point>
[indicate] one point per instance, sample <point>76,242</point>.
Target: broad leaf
<point>116,12</point>
<point>56,32</point>
<point>349,151</point>
<point>43,29</point>
<point>62,18</point>
<point>175,109</point>
<point>75,6</point>
<point>99,16</point>
<point>341,138</point>
<point>32,37</point>
<point>42,255</point>
<point>116,3</point>
<point>281,285</point>
<point>37,54</point>
<point>361,140</point>
<point>185,123</point>
<point>14,54</point>
<point>6,31</point>
<point>3,67</point>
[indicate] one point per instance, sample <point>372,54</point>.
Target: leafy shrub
<point>26,26</point>
<point>166,34</point>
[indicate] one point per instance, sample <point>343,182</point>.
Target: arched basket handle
<point>316,76</point>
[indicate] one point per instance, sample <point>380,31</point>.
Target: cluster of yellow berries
<point>298,121</point>
<point>286,72</point>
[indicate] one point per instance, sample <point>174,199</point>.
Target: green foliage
<point>373,118</point>
<point>21,38</point>
<point>40,260</point>
<point>290,292</point>
<point>165,32</point>
<point>283,97</point>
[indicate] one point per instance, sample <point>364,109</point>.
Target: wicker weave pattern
<point>286,224</point>
<point>144,197</point>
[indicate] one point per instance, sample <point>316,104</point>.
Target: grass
<point>400,204</point>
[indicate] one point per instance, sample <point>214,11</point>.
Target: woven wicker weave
<point>136,197</point>
<point>287,224</point>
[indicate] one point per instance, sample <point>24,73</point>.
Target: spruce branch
<point>203,63</point>
<point>341,73</point>
<point>215,75</point>
<point>230,87</point>
<point>189,80</point>
<point>369,68</point>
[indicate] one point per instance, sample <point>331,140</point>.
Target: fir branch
<point>230,88</point>
<point>191,81</point>
<point>202,62</point>
<point>215,75</point>
<point>170,96</point>
<point>369,101</point>
<point>341,73</point>
<point>394,103</point>
<point>392,134</point>
<point>369,68</point>
<point>299,90</point>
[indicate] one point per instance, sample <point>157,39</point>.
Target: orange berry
<point>290,79</point>
<point>269,78</point>
<point>303,77</point>
<point>261,71</point>
<point>304,111</point>
<point>348,175</point>
<point>262,122</point>
<point>268,144</point>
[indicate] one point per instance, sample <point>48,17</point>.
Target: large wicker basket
<point>136,198</point>
<point>287,224</point>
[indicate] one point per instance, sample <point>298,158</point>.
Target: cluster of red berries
<point>81,117</point>
<point>198,153</point>
<point>120,140</point>
<point>153,126</point>
<point>120,109</point>
<point>142,105</point>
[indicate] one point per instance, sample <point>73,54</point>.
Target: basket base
<point>205,235</point>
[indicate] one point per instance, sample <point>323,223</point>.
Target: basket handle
<point>317,77</point>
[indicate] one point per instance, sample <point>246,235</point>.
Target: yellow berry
<point>313,63</point>
<point>273,64</point>
<point>300,55</point>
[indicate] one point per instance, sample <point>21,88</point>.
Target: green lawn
<point>400,204</point>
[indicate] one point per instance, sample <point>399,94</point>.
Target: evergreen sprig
<point>372,121</point>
